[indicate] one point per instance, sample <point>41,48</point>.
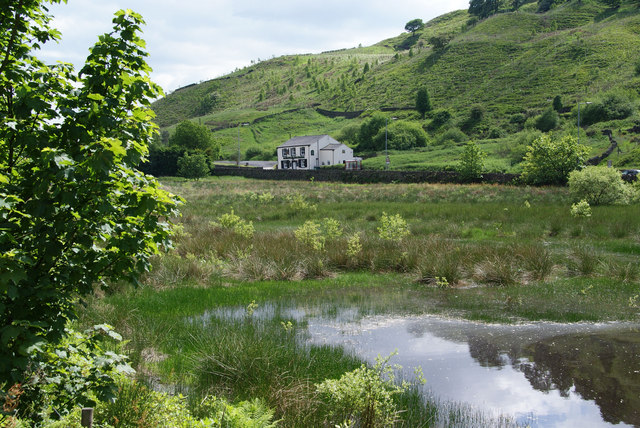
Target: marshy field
<point>274,287</point>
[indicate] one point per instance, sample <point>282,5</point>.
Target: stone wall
<point>364,176</point>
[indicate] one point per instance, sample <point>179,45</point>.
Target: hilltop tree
<point>423,102</point>
<point>414,25</point>
<point>483,8</point>
<point>74,209</point>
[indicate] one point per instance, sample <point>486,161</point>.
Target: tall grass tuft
<point>441,258</point>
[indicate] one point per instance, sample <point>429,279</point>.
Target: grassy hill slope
<point>512,64</point>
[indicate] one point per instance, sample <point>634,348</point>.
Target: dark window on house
<point>302,150</point>
<point>285,152</point>
<point>343,151</point>
<point>312,153</point>
<point>293,151</point>
<point>303,163</point>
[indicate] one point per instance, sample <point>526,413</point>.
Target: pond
<point>540,374</point>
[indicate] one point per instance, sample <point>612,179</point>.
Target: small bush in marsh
<point>365,396</point>
<point>581,209</point>
<point>238,225</point>
<point>310,235</point>
<point>392,227</point>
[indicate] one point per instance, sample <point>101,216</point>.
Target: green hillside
<point>509,67</point>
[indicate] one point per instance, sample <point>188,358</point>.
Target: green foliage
<point>483,8</point>
<point>74,209</point>
<point>439,118</point>
<point>191,136</point>
<point>611,106</point>
<point>423,103</point>
<point>414,25</point>
<point>311,235</point>
<point>401,135</point>
<point>581,209</point>
<point>557,103</point>
<point>393,227</point>
<point>238,225</point>
<point>364,397</point>
<point>193,166</point>
<point>599,185</point>
<point>472,162</point>
<point>162,161</point>
<point>548,120</point>
<point>138,406</point>
<point>77,371</point>
<point>452,135</point>
<point>550,160</point>
<point>369,129</point>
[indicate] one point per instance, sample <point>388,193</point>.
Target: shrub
<point>392,228</point>
<point>472,162</point>
<point>549,161</point>
<point>439,118</point>
<point>364,397</point>
<point>401,135</point>
<point>77,371</point>
<point>454,135</point>
<point>548,120</point>
<point>239,226</point>
<point>193,166</point>
<point>599,186</point>
<point>581,209</point>
<point>310,235</point>
<point>612,106</point>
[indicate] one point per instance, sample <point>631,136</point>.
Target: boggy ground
<point>499,254</point>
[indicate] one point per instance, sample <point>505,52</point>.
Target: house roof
<point>306,140</point>
<point>332,146</point>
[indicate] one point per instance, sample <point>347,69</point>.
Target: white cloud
<point>190,41</point>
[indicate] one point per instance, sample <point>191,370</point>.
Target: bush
<point>599,186</point>
<point>364,397</point>
<point>472,162</point>
<point>452,135</point>
<point>76,371</point>
<point>439,118</point>
<point>548,120</point>
<point>550,161</point>
<point>401,135</point>
<point>193,166</point>
<point>612,106</point>
<point>393,228</point>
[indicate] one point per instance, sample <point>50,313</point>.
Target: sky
<point>190,41</point>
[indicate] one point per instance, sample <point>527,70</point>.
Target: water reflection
<point>543,374</point>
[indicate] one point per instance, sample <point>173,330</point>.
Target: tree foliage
<point>483,8</point>
<point>401,135</point>
<point>423,102</point>
<point>472,162</point>
<point>414,25</point>
<point>192,136</point>
<point>549,161</point>
<point>599,185</point>
<point>369,129</point>
<point>74,210</point>
<point>548,120</point>
<point>193,166</point>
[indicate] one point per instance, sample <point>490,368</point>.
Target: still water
<point>540,374</point>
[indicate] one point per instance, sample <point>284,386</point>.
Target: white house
<point>312,151</point>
